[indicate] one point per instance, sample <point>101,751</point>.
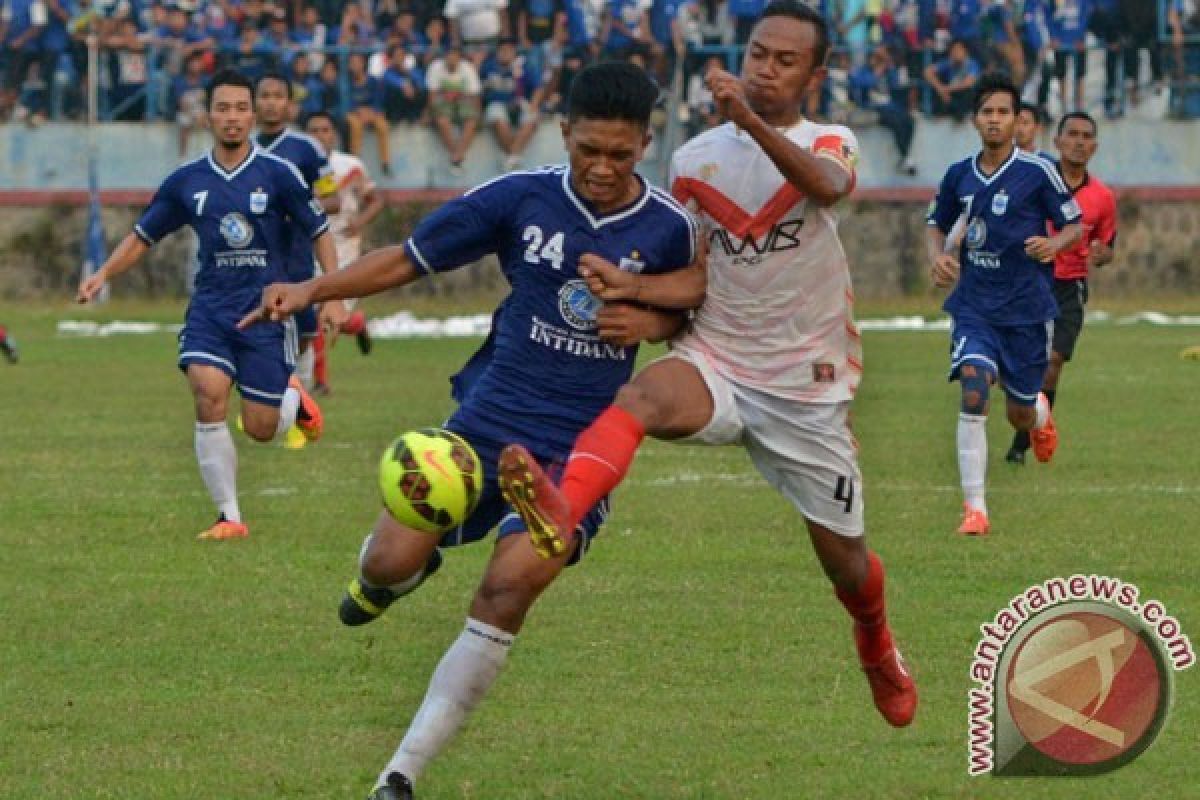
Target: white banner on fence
<point>406,325</point>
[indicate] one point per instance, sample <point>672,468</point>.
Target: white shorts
<point>805,450</point>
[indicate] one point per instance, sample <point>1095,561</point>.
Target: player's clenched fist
<point>606,280</point>
<point>944,271</point>
<point>729,95</point>
<point>280,301</point>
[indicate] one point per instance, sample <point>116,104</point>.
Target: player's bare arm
<point>944,266</point>
<point>371,204</point>
<point>821,179</point>
<point>128,252</point>
<point>680,289</point>
<point>381,269</point>
<point>627,324</point>
<point>1045,248</point>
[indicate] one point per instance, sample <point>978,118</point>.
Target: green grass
<point>696,653</point>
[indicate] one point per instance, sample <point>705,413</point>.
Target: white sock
<point>287,412</point>
<point>460,681</point>
<point>972,458</point>
<point>306,362</point>
<point>1042,407</point>
<point>218,466</point>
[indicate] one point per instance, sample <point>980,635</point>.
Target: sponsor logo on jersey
<point>632,263</point>
<point>578,306</point>
<point>1000,203</point>
<point>824,372</point>
<point>976,233</point>
<point>751,251</point>
<point>237,230</point>
<point>258,201</point>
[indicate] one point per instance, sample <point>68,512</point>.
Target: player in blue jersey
<point>272,100</point>
<point>987,238</point>
<point>241,203</point>
<point>1031,121</point>
<point>553,361</point>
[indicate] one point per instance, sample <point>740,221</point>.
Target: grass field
<point>696,653</point>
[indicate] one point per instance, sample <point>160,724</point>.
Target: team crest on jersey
<point>708,172</point>
<point>578,306</point>
<point>632,262</point>
<point>1000,203</point>
<point>237,230</point>
<point>258,201</point>
<point>976,233</point>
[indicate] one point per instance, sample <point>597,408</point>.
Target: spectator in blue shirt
<point>1105,22</point>
<point>187,99</point>
<point>745,14</point>
<point>366,108</point>
<point>252,57</point>
<point>1068,38</point>
<point>953,82</point>
<point>20,46</point>
<point>403,86</point>
<point>877,86</point>
<point>965,26</point>
<point>511,96</point>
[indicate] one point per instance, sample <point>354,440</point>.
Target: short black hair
<point>612,90</point>
<point>228,77</point>
<point>996,83</point>
<point>274,75</point>
<point>1035,111</point>
<point>1083,115</point>
<point>322,114</point>
<point>805,13</point>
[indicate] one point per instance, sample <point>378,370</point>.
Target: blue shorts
<point>493,511</point>
<point>260,359</point>
<point>1018,354</point>
<point>306,322</point>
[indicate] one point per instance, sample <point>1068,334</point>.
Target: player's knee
<point>259,429</point>
<point>976,385</point>
<point>209,407</point>
<point>382,565</point>
<point>640,403</point>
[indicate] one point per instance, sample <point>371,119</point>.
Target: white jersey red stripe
<point>778,314</point>
<point>353,182</point>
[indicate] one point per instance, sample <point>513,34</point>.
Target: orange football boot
<point>309,418</point>
<point>974,522</point>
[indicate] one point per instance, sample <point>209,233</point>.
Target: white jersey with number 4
<point>778,313</point>
<point>352,183</point>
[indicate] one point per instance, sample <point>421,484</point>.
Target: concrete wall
<point>1133,152</point>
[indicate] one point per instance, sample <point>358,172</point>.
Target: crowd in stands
<point>463,65</point>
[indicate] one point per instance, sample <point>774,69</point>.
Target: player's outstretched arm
<point>378,270</point>
<point>821,179</point>
<point>680,289</point>
<point>626,324</point>
<point>128,253</point>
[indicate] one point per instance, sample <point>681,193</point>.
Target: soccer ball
<point>430,479</point>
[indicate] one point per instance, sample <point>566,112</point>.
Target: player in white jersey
<point>773,357</point>
<point>359,205</point>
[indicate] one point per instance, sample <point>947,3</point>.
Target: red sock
<point>601,458</point>
<point>355,323</point>
<point>869,611</point>
<point>320,365</point>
